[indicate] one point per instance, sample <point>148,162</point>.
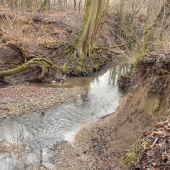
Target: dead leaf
<point>157,133</point>
<point>160,124</point>
<point>150,153</point>
<point>144,133</point>
<point>77,135</point>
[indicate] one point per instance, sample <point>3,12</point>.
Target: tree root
<point>20,49</point>
<point>30,61</point>
<point>41,63</point>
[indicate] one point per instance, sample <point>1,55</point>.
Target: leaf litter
<point>155,151</point>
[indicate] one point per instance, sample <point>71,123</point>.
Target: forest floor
<point>44,35</point>
<point>47,35</point>
<point>100,145</point>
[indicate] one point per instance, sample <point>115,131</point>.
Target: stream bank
<point>19,100</point>
<point>145,104</point>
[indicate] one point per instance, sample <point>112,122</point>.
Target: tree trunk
<point>45,6</point>
<point>84,43</point>
<point>75,5</point>
<point>79,5</point>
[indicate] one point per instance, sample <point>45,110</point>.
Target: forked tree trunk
<point>84,43</point>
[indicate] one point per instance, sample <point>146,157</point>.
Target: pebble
<point>34,99</point>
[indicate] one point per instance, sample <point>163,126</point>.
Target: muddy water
<point>27,142</point>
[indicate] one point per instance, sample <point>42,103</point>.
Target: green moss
<point>12,65</point>
<point>64,67</point>
<point>145,143</point>
<point>46,43</point>
<point>155,107</point>
<point>68,49</point>
<point>130,157</point>
<point>49,41</point>
<point>96,66</point>
<point>140,137</point>
<point>44,6</point>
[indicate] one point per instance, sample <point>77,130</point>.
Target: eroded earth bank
<point>104,144</point>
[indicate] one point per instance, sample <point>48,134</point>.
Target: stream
<point>27,142</point>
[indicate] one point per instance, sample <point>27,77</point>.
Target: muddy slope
<point>108,139</point>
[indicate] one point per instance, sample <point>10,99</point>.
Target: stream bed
<point>27,142</point>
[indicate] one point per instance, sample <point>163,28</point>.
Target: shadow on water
<point>27,142</point>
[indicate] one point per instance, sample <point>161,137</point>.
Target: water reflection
<point>27,142</point>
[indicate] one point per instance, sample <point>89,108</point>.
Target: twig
<point>154,143</point>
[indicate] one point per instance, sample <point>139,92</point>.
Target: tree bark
<point>45,6</point>
<point>84,43</point>
<point>75,5</point>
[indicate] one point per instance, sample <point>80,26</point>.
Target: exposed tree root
<point>20,49</point>
<point>41,63</point>
<point>29,61</point>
